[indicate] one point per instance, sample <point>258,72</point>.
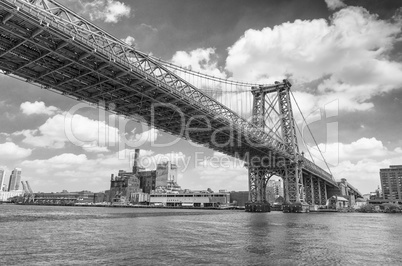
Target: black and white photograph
<point>200,132</point>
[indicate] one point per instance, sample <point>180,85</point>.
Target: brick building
<point>130,186</point>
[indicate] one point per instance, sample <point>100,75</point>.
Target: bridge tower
<point>272,113</point>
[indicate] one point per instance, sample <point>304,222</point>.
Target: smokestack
<point>135,164</point>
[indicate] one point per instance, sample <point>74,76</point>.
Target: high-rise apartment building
<point>391,182</point>
<point>274,190</point>
<point>2,179</point>
<point>15,180</point>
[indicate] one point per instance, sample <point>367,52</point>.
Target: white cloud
<point>335,4</point>
<point>81,131</point>
<point>129,40</point>
<point>109,11</point>
<point>29,108</point>
<point>363,175</point>
<point>56,163</point>
<point>150,135</point>
<point>10,151</point>
<point>362,149</point>
<point>199,60</point>
<point>94,147</point>
<point>347,56</point>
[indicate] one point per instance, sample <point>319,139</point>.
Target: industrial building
<point>136,186</point>
<point>391,183</point>
<point>123,185</point>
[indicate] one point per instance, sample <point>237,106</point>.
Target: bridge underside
<point>64,53</point>
<point>44,54</point>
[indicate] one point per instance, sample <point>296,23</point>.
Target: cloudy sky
<point>344,59</point>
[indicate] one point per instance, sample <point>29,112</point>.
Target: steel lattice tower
<point>272,113</point>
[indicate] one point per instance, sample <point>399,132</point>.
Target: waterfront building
<point>69,198</point>
<point>192,199</point>
<point>15,180</point>
<point>391,182</point>
<point>2,179</point>
<point>7,195</point>
<point>337,202</point>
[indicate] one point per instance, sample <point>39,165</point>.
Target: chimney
<point>135,164</point>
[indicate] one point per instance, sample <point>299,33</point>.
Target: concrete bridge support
<point>323,193</point>
<point>317,191</point>
<point>258,178</point>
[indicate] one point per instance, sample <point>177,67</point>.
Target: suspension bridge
<point>45,43</point>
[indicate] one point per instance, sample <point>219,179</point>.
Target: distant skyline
<point>344,59</point>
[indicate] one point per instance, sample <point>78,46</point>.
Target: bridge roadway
<point>49,45</point>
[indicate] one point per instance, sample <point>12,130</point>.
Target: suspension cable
<point>206,76</point>
<point>301,135</point>
<point>311,133</point>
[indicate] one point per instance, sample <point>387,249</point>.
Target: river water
<point>56,235</point>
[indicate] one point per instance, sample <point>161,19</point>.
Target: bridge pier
<point>317,191</point>
<point>309,190</point>
<point>258,178</point>
<point>258,207</point>
<point>323,193</point>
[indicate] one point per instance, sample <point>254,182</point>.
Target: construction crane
<point>25,196</point>
<point>31,196</point>
<point>29,187</point>
<point>24,188</point>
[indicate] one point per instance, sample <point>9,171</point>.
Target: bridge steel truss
<point>47,44</point>
<point>279,106</point>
